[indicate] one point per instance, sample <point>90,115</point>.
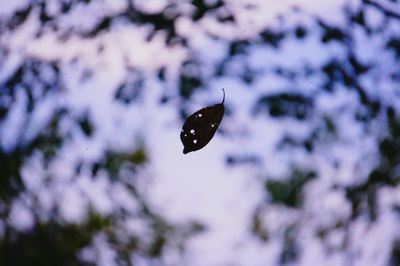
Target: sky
<point>196,186</point>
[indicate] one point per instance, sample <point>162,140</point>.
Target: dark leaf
<point>200,127</point>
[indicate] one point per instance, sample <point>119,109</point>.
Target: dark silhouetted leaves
<point>49,142</point>
<point>272,38</point>
<point>395,254</point>
<point>200,127</point>
<point>50,243</point>
<point>290,250</point>
<point>363,196</point>
<point>202,7</point>
<point>286,73</point>
<point>113,161</point>
<point>59,244</point>
<point>289,192</point>
<point>19,17</point>
<point>130,90</point>
<point>10,179</point>
<point>238,47</point>
<point>393,122</point>
<point>331,33</point>
<point>103,25</point>
<point>190,78</point>
<point>394,45</point>
<point>188,84</point>
<point>300,32</point>
<point>36,78</point>
<point>359,18</point>
<point>285,104</point>
<point>11,161</point>
<point>358,67</point>
<point>390,149</point>
<point>86,125</point>
<point>335,73</point>
<point>43,15</point>
<point>226,18</point>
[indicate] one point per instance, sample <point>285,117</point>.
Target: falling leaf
<point>200,127</point>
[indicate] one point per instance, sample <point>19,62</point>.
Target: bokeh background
<point>305,167</point>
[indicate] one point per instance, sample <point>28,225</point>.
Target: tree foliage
<point>342,102</point>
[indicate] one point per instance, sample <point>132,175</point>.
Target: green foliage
<point>96,222</point>
<point>289,192</point>
<point>46,244</point>
<point>10,178</point>
<point>114,161</point>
